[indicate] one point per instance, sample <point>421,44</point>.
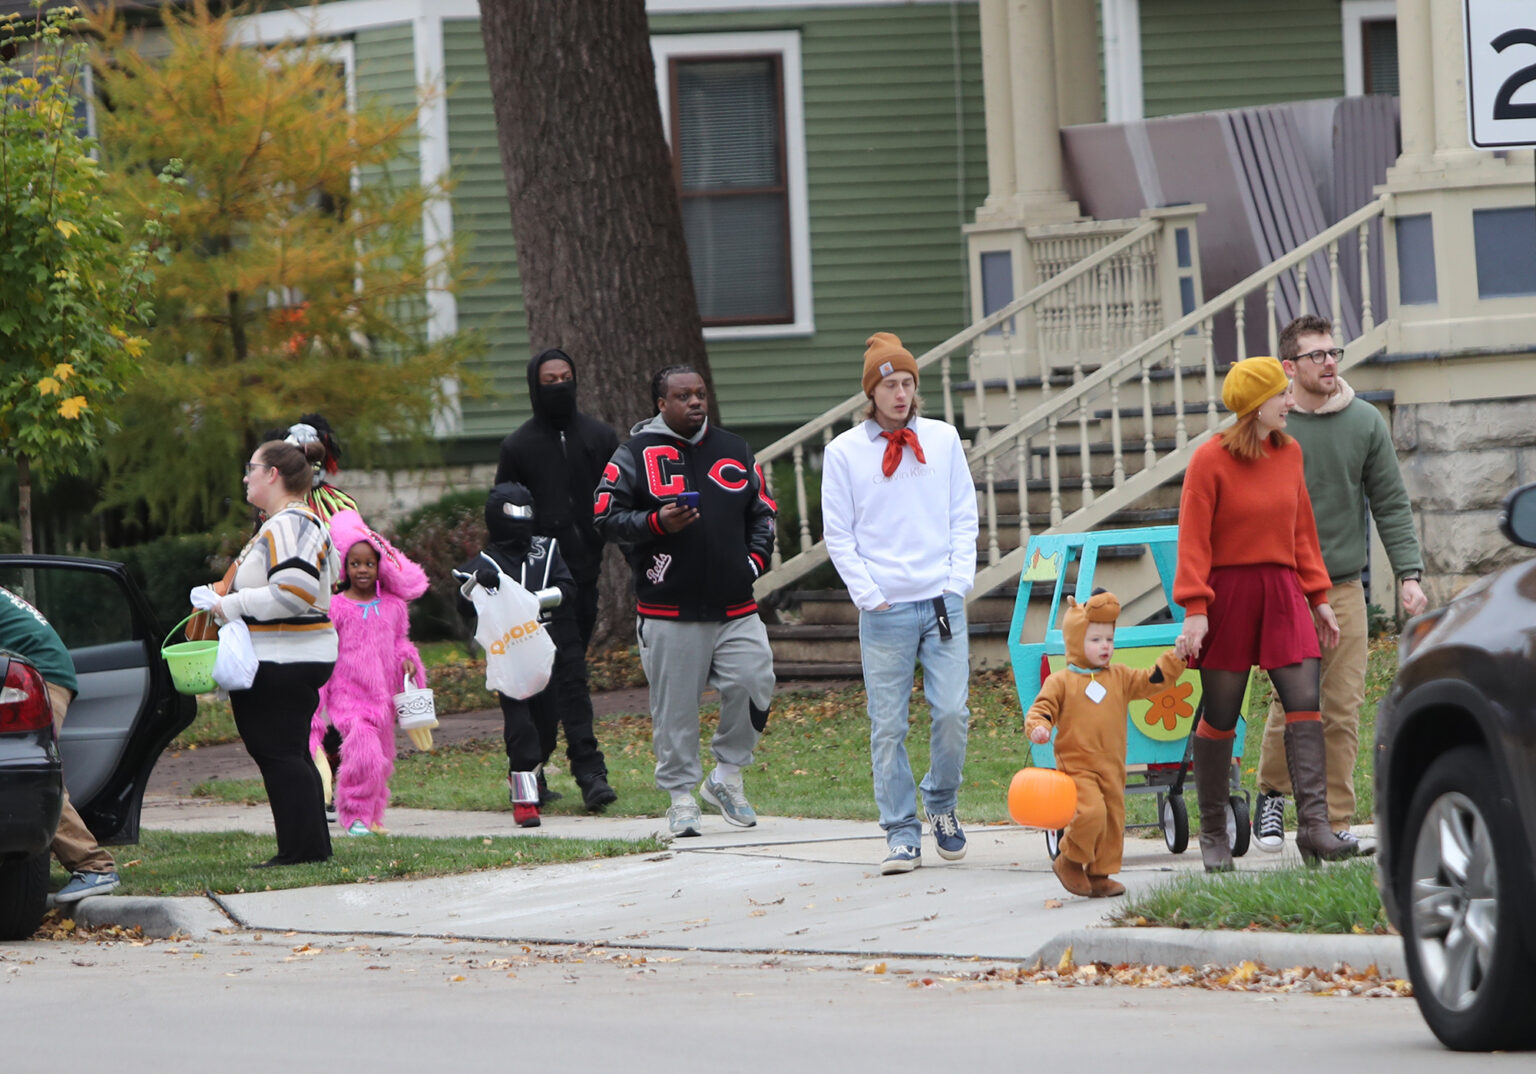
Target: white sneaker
<point>1363,847</point>
<point>1269,823</point>
<point>683,818</point>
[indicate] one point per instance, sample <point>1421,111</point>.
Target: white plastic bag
<point>519,653</point>
<point>235,666</point>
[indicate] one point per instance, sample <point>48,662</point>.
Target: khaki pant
<point>1343,692</point>
<point>73,843</point>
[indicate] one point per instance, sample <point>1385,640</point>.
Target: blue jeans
<point>891,642</point>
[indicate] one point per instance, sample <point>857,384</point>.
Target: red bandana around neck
<point>898,438</point>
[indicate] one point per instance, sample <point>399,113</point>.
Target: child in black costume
<point>530,725</point>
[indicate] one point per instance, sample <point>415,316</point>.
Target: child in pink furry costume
<point>374,657</point>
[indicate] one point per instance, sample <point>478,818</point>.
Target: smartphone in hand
<point>688,499</point>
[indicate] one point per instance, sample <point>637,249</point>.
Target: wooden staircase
<point>1059,440</point>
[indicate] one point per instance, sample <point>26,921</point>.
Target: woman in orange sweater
<point>1249,566</point>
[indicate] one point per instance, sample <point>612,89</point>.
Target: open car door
<point>127,709</point>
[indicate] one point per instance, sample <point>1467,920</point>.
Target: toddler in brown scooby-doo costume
<point>1086,703</point>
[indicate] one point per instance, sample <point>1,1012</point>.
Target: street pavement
<point>789,885</point>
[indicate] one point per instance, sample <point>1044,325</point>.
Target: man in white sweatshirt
<point>899,511</point>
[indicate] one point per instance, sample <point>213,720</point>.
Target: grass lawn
<point>191,863</point>
<point>1338,898</point>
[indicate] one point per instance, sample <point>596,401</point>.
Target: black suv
<point>125,713</point>
<point>1456,803</point>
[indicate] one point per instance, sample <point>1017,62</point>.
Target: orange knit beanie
<point>883,356</point>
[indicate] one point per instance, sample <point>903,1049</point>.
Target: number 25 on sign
<point>1501,72</point>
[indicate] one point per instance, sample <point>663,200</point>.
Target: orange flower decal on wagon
<point>1170,706</point>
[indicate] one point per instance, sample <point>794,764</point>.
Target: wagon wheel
<point>1241,830</point>
<point>1174,818</point>
<point>1053,842</point>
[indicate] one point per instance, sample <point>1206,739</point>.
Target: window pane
<point>1381,57</point>
<point>1416,260</point>
<point>736,245</point>
<point>728,124</point>
<point>1505,241</point>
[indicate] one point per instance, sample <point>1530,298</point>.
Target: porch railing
<point>1170,375</point>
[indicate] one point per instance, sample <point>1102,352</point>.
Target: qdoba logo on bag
<point>517,633</point>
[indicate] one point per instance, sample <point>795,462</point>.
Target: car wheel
<point>23,895</point>
<point>1472,973</point>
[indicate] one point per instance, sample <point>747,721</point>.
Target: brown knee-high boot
<point>1212,753</point>
<point>1305,759</point>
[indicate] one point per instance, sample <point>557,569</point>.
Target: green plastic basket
<point>190,662</point>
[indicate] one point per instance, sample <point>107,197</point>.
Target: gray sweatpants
<point>680,661</point>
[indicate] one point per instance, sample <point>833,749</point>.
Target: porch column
<point>996,81</point>
<point>1416,91</point>
<point>1037,138</point>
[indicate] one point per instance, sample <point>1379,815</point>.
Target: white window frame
<point>1124,101</point>
<point>786,45</point>
<point>1355,14</point>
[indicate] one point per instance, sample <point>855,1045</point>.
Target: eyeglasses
<point>252,467</point>
<point>1322,356</point>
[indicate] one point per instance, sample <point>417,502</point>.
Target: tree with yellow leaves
<point>73,286</point>
<point>298,278</point>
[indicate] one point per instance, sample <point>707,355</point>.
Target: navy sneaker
<point>948,835</point>
<point>901,859</point>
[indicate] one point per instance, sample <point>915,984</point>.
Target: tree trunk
<point>24,503</point>
<point>600,246</point>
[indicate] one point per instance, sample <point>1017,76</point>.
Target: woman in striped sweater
<point>282,589</point>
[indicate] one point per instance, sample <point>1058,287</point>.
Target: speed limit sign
<point>1501,72</point>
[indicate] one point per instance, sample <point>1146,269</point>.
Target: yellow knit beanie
<point>1252,381</point>
<point>885,355</point>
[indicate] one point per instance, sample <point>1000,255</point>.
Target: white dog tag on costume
<point>1095,691</point>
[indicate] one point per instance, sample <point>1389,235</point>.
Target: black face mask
<point>558,401</point>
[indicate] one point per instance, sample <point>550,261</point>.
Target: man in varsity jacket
<point>687,503</point>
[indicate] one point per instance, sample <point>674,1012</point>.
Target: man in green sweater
<point>1350,462</point>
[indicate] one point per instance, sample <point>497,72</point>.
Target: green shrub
<point>439,536</point>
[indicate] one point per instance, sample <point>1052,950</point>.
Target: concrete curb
<point>1198,947</point>
<point>195,917</point>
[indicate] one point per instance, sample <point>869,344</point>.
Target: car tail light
<point>24,700</point>
<point>1416,631</point>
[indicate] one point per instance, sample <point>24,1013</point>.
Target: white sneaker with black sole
<point>1269,823</point>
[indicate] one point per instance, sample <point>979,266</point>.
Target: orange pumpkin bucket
<point>1041,798</point>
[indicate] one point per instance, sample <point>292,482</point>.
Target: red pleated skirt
<point>1259,616</point>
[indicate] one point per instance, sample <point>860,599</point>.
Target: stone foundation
<point>385,496</point>
<point>1459,459</point>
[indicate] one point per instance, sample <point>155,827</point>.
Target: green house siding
<point>1199,55</point>
<point>482,220</point>
<point>896,164</point>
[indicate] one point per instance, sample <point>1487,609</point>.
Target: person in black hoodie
<point>535,563</point>
<point>688,503</point>
<point>558,455</point>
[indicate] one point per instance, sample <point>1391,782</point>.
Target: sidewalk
<point>790,885</point>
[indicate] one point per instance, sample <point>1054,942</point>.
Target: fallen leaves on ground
<point>1342,980</point>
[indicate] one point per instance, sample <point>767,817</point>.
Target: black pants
<point>520,734</point>
<point>273,720</point>
<point>586,611</point>
<point>566,702</point>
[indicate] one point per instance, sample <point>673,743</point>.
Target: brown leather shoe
<point>1103,887</point>
<point>1073,876</point>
